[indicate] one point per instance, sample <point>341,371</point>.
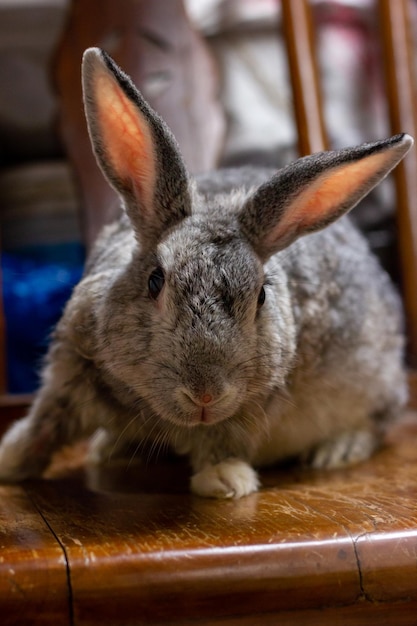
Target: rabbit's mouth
<point>208,415</point>
<point>204,408</point>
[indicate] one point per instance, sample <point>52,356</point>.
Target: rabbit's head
<point>195,325</point>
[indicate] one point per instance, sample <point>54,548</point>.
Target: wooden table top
<point>132,546</point>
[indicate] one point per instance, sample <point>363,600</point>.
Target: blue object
<point>35,291</point>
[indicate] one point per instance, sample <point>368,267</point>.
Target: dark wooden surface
<point>130,545</point>
<point>33,577</point>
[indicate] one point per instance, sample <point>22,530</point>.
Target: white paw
<point>107,448</point>
<point>231,478</point>
<point>13,459</point>
<point>100,448</point>
<point>347,449</point>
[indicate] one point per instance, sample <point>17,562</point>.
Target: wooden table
<point>126,546</point>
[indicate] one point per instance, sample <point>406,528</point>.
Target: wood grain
<point>33,574</point>
<point>141,550</point>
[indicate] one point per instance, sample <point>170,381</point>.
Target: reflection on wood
<point>323,548</point>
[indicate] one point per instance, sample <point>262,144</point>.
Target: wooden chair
<point>132,546</point>
<point>398,65</point>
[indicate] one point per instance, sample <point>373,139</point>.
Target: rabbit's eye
<point>261,297</point>
<point>156,282</point>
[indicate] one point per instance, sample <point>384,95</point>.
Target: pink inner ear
<point>126,138</point>
<point>321,201</point>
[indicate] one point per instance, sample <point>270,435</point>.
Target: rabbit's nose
<point>208,397</point>
<point>200,399</point>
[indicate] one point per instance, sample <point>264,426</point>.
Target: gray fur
<point>320,360</point>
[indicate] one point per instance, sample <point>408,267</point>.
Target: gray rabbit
<point>206,323</point>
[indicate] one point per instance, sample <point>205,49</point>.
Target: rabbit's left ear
<point>314,191</point>
<point>134,148</point>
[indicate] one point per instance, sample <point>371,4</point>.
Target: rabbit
<point>235,317</point>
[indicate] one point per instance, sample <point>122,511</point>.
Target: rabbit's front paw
<point>15,461</point>
<point>231,478</point>
<point>10,463</point>
<point>106,447</point>
<point>101,448</point>
<point>347,449</point>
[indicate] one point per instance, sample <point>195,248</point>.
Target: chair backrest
<point>397,58</point>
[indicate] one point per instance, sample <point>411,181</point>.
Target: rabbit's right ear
<point>134,148</point>
<point>314,191</point>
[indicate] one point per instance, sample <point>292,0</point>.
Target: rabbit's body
<point>336,369</point>
<point>205,325</point>
<point>348,374</point>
